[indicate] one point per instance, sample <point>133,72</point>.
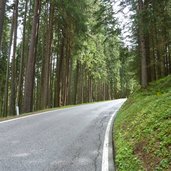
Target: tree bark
<point>13,74</point>
<point>45,85</point>
<point>144,81</point>
<point>30,69</point>
<point>59,73</point>
<point>21,72</point>
<point>76,83</point>
<point>2,14</point>
<point>5,103</point>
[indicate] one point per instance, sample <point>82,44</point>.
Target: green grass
<point>142,130</point>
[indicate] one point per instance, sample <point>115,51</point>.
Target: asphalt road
<point>65,140</point>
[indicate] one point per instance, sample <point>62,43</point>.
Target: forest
<point>55,53</point>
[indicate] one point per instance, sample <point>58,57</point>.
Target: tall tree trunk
<point>82,84</point>
<point>76,83</point>
<point>144,81</point>
<point>68,70</point>
<point>52,82</point>
<point>59,73</point>
<point>2,14</point>
<point>21,72</point>
<point>5,103</point>
<point>45,85</point>
<point>65,85</point>
<point>69,101</point>
<point>169,60</point>
<point>148,58</point>
<point>30,69</point>
<point>143,63</point>
<point>104,91</point>
<point>90,89</point>
<point>13,74</point>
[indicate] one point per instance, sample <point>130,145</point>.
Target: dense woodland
<point>62,52</point>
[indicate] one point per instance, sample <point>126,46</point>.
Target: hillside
<point>142,131</point>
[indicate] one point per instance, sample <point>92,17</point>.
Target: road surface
<point>70,139</point>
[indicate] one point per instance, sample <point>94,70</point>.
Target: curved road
<point>70,139</point>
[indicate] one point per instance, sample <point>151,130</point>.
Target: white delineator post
<point>17,110</point>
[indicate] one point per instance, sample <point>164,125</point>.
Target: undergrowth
<point>142,129</point>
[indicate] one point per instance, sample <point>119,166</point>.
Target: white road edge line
<point>32,115</point>
<point>105,156</point>
<point>37,114</point>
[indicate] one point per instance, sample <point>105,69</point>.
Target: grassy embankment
<point>142,131</point>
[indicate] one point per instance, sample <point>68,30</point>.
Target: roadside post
<point>17,110</point>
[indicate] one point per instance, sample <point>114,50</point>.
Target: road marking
<point>105,157</point>
<point>36,114</point>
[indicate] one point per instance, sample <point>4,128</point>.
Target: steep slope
<point>142,131</point>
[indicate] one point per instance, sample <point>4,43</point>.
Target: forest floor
<point>142,129</point>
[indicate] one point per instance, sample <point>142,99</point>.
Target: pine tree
<point>30,69</point>
<point>2,15</point>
